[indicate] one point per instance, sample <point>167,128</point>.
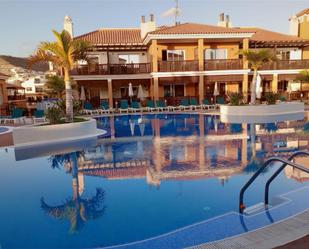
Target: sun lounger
<point>124,106</point>
<point>135,107</point>
<point>39,116</point>
<point>193,104</point>
<point>104,108</point>
<point>161,105</point>
<point>88,109</point>
<point>207,105</point>
<point>184,104</point>
<point>150,106</point>
<point>220,101</point>
<point>16,117</point>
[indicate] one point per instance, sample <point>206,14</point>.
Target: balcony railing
<point>286,64</point>
<point>106,69</point>
<point>177,66</point>
<point>222,64</point>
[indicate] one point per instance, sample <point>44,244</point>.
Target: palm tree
<point>256,59</point>
<point>303,76</point>
<point>64,54</point>
<point>55,85</point>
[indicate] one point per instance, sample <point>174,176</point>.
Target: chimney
<point>68,25</point>
<point>221,17</point>
<point>151,18</point>
<point>224,21</point>
<point>294,26</point>
<point>228,21</point>
<point>147,27</point>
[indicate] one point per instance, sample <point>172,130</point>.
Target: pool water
<point>150,175</point>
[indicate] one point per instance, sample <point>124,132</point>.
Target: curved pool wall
<point>47,134</point>
<point>146,180</point>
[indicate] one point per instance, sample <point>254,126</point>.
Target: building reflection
<point>164,148</point>
<point>188,147</point>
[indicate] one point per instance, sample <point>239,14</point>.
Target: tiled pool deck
<point>262,227</point>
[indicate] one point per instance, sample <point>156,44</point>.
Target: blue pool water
<point>150,175</point>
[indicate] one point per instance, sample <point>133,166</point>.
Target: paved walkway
<point>268,237</point>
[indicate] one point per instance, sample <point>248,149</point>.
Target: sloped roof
<point>195,28</point>
<point>3,75</point>
<point>267,35</point>
<point>303,12</point>
<point>113,36</point>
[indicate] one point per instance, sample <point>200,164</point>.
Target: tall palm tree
<point>64,54</point>
<point>256,59</point>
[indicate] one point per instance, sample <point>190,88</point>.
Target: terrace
<point>183,66</point>
<point>286,65</point>
<point>112,69</point>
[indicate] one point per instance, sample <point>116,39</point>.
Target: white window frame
<point>214,50</point>
<point>172,50</point>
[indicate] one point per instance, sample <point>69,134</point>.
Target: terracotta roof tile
<point>195,28</point>
<point>303,12</point>
<point>2,74</point>
<point>271,36</point>
<point>117,36</point>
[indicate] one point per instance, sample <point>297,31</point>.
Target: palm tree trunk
<point>253,87</point>
<point>68,96</point>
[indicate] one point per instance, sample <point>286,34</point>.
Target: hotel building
<point>188,59</point>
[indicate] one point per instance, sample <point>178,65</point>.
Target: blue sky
<point>25,23</point>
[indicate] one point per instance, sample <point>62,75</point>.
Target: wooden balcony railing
<point>222,64</point>
<point>177,66</point>
<point>285,64</point>
<point>105,69</point>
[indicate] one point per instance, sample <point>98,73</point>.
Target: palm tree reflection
<point>76,209</point>
<point>255,162</point>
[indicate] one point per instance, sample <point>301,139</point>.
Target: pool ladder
<point>277,172</point>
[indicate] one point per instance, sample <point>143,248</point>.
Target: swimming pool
<point>152,174</point>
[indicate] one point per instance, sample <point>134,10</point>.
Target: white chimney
<point>294,24</point>
<point>224,21</point>
<point>68,25</point>
<point>147,27</point>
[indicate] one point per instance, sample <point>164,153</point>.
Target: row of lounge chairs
<point>151,106</point>
<point>17,117</point>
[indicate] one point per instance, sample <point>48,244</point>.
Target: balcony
<point>285,65</point>
<point>107,69</point>
<point>222,64</point>
<point>178,66</point>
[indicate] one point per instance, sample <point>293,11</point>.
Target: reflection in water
<point>187,161</point>
<point>76,209</point>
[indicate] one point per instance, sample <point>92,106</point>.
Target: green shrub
<point>282,98</point>
<point>271,98</point>
<point>235,98</point>
<point>54,115</point>
<point>76,106</point>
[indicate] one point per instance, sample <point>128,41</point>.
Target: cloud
<point>171,12</point>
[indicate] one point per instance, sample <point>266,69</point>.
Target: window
<point>39,89</point>
<point>128,58</point>
<point>174,90</point>
<point>29,89</point>
<point>173,55</point>
<point>215,54</point>
<point>37,81</point>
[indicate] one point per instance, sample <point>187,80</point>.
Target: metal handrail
<point>260,170</point>
<point>279,171</point>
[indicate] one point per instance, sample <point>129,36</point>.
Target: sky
<point>24,23</point>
